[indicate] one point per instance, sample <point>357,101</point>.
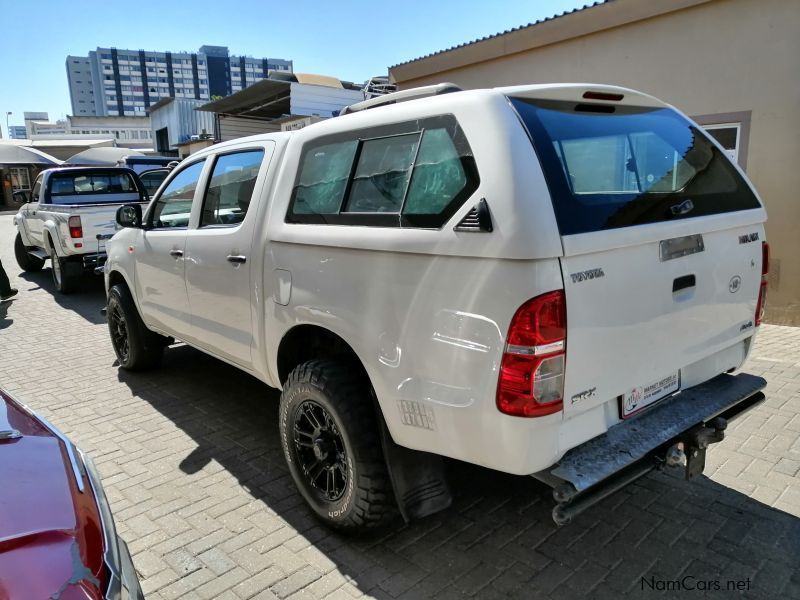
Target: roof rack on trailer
<point>402,96</point>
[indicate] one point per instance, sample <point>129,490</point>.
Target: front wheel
<point>27,262</point>
<point>330,437</point>
<point>137,348</point>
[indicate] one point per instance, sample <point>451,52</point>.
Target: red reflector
<point>764,258</point>
<point>762,302</point>
<point>531,380</point>
<point>602,96</point>
<point>75,228</point>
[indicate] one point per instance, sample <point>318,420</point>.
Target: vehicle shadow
<point>498,539</point>
<point>87,300</point>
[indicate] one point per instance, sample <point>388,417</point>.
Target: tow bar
<point>674,433</point>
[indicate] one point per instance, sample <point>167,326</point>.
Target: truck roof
<point>78,170</point>
<point>550,91</point>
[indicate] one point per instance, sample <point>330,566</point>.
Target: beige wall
<point>723,56</point>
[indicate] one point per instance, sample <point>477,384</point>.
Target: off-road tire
<point>137,348</point>
<point>66,274</point>
<point>342,390</point>
<point>27,262</point>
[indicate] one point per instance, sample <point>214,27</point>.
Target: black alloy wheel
<point>330,435</point>
<point>320,450</point>
<point>119,333</point>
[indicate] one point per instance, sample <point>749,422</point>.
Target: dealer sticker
<point>641,397</point>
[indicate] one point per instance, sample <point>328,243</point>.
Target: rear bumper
<point>93,262</point>
<point>632,448</point>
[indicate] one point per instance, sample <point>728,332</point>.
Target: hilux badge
<point>735,284</point>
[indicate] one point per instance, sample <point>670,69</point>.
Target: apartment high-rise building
<point>81,90</point>
<point>113,82</point>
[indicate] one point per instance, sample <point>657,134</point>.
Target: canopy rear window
<point>610,166</point>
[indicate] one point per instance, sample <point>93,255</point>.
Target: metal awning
<point>267,99</point>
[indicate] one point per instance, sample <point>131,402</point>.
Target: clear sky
<point>352,40</point>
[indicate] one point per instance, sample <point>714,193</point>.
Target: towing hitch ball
<point>698,440</point>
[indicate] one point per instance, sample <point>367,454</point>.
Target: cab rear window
<point>92,188</point>
<point>616,166</point>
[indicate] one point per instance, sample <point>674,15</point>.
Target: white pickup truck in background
<point>69,218</point>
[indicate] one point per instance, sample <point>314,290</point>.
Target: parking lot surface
<point>193,467</point>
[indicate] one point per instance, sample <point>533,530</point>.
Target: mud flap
<point>418,478</point>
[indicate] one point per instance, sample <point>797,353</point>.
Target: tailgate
<point>636,320</point>
<point>662,238</point>
<point>97,220</point>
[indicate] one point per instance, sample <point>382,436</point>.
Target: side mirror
<point>129,215</point>
<point>21,197</point>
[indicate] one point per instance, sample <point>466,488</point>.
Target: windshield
<point>92,188</point>
<point>615,166</point>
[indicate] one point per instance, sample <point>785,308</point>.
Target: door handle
<point>176,253</point>
<point>237,259</point>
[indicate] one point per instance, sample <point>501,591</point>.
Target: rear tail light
<point>531,381</point>
<point>762,290</point>
<point>75,227</point>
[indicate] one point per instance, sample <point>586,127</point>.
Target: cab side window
<point>230,188</point>
<point>174,206</point>
<point>413,174</point>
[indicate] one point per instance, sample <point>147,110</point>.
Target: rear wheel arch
<point>308,342</point>
<point>49,241</point>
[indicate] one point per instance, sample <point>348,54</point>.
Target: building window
<point>731,130</point>
<point>20,179</point>
<point>727,134</point>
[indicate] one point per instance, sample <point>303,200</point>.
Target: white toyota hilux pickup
<point>69,218</point>
<point>550,280</point>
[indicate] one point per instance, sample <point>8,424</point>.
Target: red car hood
<point>51,543</point>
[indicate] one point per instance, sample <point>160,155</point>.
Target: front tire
<point>137,348</point>
<point>331,441</point>
<point>27,262</point>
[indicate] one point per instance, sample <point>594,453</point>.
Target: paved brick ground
<point>192,464</point>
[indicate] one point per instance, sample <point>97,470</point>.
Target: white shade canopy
<point>104,156</point>
<point>12,154</point>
